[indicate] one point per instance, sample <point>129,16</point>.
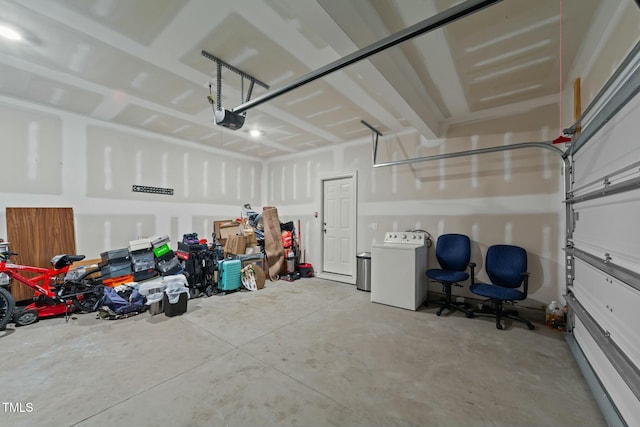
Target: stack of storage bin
<point>116,267</point>
<point>142,259</point>
<point>166,261</point>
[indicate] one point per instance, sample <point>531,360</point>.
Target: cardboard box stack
<point>237,237</point>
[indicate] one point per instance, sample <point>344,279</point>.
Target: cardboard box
<point>218,224</point>
<point>228,230</point>
<point>251,237</point>
<point>235,245</point>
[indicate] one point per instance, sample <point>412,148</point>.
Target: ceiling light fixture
<point>10,33</point>
<point>256,133</point>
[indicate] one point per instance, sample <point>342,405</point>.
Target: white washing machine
<point>398,268</point>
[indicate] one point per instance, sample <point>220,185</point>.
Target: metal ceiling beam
<point>544,145</point>
<point>434,22</point>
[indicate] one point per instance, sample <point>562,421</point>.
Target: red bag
<point>286,239</point>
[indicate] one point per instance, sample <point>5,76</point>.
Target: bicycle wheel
<point>88,291</point>
<point>7,305</point>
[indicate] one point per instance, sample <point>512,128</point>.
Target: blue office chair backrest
<point>505,265</point>
<point>453,251</point>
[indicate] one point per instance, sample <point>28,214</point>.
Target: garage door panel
<point>608,225</point>
<point>610,150</point>
<point>612,303</point>
<point>621,394</point>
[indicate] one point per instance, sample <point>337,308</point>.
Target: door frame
<point>353,175</point>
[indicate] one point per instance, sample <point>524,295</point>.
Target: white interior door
<point>338,225</point>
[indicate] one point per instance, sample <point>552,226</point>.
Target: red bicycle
<point>57,291</point>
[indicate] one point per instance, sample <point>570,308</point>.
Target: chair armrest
<point>472,266</point>
<point>525,282</point>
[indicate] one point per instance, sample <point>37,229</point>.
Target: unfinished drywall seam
<point>507,156</point>
<point>223,177</point>
<point>108,183</point>
<point>394,173</point>
<point>442,170</point>
<point>205,179</point>
<point>474,161</point>
<point>239,194</point>
<point>283,181</point>
<point>416,178</point>
<point>74,159</point>
<point>185,174</point>
<point>106,236</point>
<point>308,179</point>
<point>508,233</point>
<point>252,188</point>
<point>33,136</point>
<point>139,159</point>
<point>164,179</point>
<point>295,182</point>
<point>272,180</point>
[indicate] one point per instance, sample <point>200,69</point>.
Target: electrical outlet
<point>460,300</point>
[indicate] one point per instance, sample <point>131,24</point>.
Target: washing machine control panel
<point>405,237</point>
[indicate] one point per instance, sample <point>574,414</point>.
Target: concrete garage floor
<point>308,353</point>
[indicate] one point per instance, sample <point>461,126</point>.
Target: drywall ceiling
<point>139,63</point>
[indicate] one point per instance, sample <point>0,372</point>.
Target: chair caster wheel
<point>530,326</point>
<point>469,315</point>
<point>438,313</point>
<point>498,325</point>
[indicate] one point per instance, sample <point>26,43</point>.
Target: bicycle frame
<point>44,276</point>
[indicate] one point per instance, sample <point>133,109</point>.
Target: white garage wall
<point>56,159</point>
<point>511,197</point>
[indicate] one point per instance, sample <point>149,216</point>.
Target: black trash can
<point>363,273</point>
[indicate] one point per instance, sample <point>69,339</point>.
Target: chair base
<point>447,304</point>
<point>453,306</point>
<point>499,313</point>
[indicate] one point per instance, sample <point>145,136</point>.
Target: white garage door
<point>604,242</point>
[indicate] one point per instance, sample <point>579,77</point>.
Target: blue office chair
<point>506,266</point>
<point>453,252</point>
